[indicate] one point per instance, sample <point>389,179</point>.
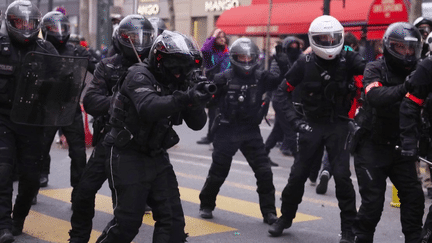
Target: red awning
<point>292,17</point>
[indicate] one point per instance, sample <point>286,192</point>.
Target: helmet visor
<point>25,23</point>
<point>404,49</point>
<point>58,28</point>
<point>245,60</point>
<point>327,40</point>
<point>140,39</point>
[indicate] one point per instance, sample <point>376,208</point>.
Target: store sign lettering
<point>261,29</point>
<point>220,5</point>
<point>387,7</point>
<point>151,9</point>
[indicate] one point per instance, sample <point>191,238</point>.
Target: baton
<point>133,47</point>
<point>418,157</point>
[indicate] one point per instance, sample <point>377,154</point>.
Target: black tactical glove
<point>302,126</point>
<point>195,96</point>
<point>282,60</point>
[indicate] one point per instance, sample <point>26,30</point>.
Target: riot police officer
<point>424,25</point>
<point>375,157</point>
<point>326,91</point>
<point>239,99</point>
<point>288,52</point>
<point>152,98</point>
<point>19,141</point>
<point>96,102</point>
<point>56,29</point>
<point>158,25</point>
<point>415,102</point>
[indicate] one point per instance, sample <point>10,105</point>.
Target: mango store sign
<point>150,9</point>
<point>220,5</point>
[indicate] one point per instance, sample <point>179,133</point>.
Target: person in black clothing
<point>18,142</point>
<point>286,54</point>
<point>56,29</point>
<point>325,77</point>
<point>154,96</point>
<point>416,101</point>
<point>239,100</point>
<point>96,102</point>
<point>375,156</point>
<point>424,25</point>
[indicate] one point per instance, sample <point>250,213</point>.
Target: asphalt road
<point>236,218</point>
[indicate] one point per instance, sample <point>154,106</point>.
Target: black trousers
<point>332,136</point>
<point>282,131</point>
<point>21,143</point>
<point>374,163</point>
<point>75,138</point>
<point>135,179</point>
<point>225,145</point>
<point>83,204</point>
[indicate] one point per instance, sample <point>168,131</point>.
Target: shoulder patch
<point>143,89</point>
<point>138,77</point>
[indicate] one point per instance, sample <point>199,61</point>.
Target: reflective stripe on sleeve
<point>416,100</point>
<point>372,85</point>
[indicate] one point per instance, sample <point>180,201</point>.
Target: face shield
<point>406,49</point>
<point>327,40</point>
<point>425,30</point>
<point>58,29</point>
<point>139,38</point>
<point>24,23</point>
<point>247,61</point>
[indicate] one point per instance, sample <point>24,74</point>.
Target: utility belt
<point>151,140</point>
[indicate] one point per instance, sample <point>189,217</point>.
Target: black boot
<point>277,227</point>
<point>270,218</point>
<point>6,236</point>
<point>43,180</point>
<point>17,226</point>
<point>347,237</point>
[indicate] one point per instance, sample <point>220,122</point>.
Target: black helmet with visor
<point>135,30</point>
<point>23,21</point>
<point>244,56</point>
<point>174,56</point>
<point>402,46</point>
<point>56,28</point>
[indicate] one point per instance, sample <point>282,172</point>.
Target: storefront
<point>198,17</point>
<point>367,18</point>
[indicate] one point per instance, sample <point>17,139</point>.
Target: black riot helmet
<point>56,28</point>
<point>424,25</point>
<point>158,25</point>
<point>244,56</point>
<point>402,47</point>
<point>137,30</point>
<point>174,56</point>
<point>293,51</point>
<point>23,21</point>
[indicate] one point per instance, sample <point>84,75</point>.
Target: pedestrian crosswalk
<point>51,229</point>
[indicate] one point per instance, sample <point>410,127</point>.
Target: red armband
<point>372,85</point>
<point>290,87</point>
<point>416,100</point>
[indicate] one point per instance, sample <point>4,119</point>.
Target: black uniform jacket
<point>314,88</point>
<point>420,85</point>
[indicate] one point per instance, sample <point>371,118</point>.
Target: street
<point>236,218</point>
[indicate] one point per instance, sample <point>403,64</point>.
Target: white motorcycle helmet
<point>326,37</point>
<point>429,41</point>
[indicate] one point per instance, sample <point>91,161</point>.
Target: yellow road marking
<point>50,229</point>
<point>237,206</point>
<point>253,188</point>
<point>194,226</point>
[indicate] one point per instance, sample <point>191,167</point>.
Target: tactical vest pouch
<point>162,136</point>
<point>171,139</point>
<point>123,138</point>
<point>4,85</point>
<point>355,135</point>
